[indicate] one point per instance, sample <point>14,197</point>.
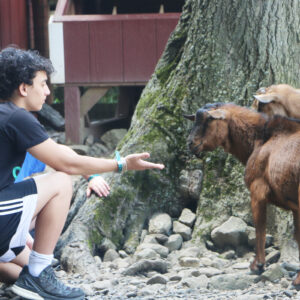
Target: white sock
<point>38,262</point>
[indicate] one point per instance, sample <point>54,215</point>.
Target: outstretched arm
<point>63,158</point>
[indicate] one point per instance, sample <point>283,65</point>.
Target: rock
<point>272,257</point>
<point>98,260</point>
<point>241,266</point>
<point>158,279</point>
<point>145,265</point>
<point>219,263</point>
<point>51,117</point>
<point>76,257</point>
<point>196,283</point>
<point>175,278</point>
<point>174,242</point>
<point>107,244</point>
<point>110,255</point>
<point>290,267</point>
<point>146,254</point>
<point>160,223</point>
<point>284,283</point>
<point>101,285</point>
<point>150,239</point>
<point>231,233</point>
<point>206,261</point>
<point>123,254</point>
<point>89,141</point>
<point>274,273</point>
<point>232,281</point>
<point>187,217</point>
<point>99,150</point>
<point>161,238</point>
<point>112,137</point>
<point>210,272</point>
<point>190,252</point>
<point>190,183</point>
<point>80,149</point>
<point>143,234</point>
<point>122,263</point>
<point>183,230</point>
<point>189,262</point>
<point>161,250</point>
<point>252,237</point>
<point>289,251</point>
<point>230,254</point>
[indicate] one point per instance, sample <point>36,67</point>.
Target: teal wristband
<point>92,176</point>
<point>121,161</point>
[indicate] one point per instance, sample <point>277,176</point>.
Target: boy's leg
<point>54,195</point>
<point>10,271</point>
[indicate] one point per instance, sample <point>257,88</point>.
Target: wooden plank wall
<point>13,23</point>
<point>115,51</point>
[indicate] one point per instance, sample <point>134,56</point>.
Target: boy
<point>23,88</point>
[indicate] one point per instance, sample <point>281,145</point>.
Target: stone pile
<point>168,265</point>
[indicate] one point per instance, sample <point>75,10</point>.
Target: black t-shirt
<point>19,130</point>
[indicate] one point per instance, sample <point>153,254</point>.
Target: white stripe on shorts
<point>11,211</point>
<point>19,238</point>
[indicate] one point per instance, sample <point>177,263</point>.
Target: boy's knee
<point>63,180</point>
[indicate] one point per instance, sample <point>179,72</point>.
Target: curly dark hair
<point>19,66</point>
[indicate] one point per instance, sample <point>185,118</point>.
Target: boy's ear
<point>23,89</point>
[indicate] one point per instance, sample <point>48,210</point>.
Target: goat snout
<point>190,145</point>
<point>194,148</point>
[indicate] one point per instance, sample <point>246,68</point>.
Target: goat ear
<point>217,114</point>
<point>190,117</point>
<point>261,90</point>
<point>266,98</point>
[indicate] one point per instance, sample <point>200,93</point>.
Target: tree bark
<point>221,51</point>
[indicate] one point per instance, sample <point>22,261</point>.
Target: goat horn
<point>189,117</point>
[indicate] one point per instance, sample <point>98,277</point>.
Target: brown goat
<point>280,99</point>
<point>270,150</point>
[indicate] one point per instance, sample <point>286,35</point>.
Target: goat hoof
<point>258,270</point>
<point>296,286</point>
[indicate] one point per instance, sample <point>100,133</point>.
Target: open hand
<point>137,162</point>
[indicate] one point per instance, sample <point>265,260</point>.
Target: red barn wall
<point>13,23</point>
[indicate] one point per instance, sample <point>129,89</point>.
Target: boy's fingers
<point>88,192</point>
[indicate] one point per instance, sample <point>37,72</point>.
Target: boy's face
<point>37,92</point>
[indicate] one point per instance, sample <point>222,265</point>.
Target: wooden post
<point>72,115</point>
<point>76,108</point>
<point>40,10</point>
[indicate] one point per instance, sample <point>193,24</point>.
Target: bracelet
<point>92,176</point>
<point>121,161</point>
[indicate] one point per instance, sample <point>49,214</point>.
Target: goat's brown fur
<point>280,99</point>
<point>270,149</point>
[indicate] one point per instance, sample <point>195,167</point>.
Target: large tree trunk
<point>221,51</point>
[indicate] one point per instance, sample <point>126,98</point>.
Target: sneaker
<point>45,286</point>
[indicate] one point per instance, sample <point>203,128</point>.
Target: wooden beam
<point>61,8</point>
<point>90,98</point>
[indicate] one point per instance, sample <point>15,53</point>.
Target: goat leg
<point>259,211</point>
<point>296,216</point>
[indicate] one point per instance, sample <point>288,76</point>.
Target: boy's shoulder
<point>9,112</point>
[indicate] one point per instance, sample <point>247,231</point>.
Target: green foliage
<point>111,97</point>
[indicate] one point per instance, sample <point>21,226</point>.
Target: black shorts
<point>17,206</point>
